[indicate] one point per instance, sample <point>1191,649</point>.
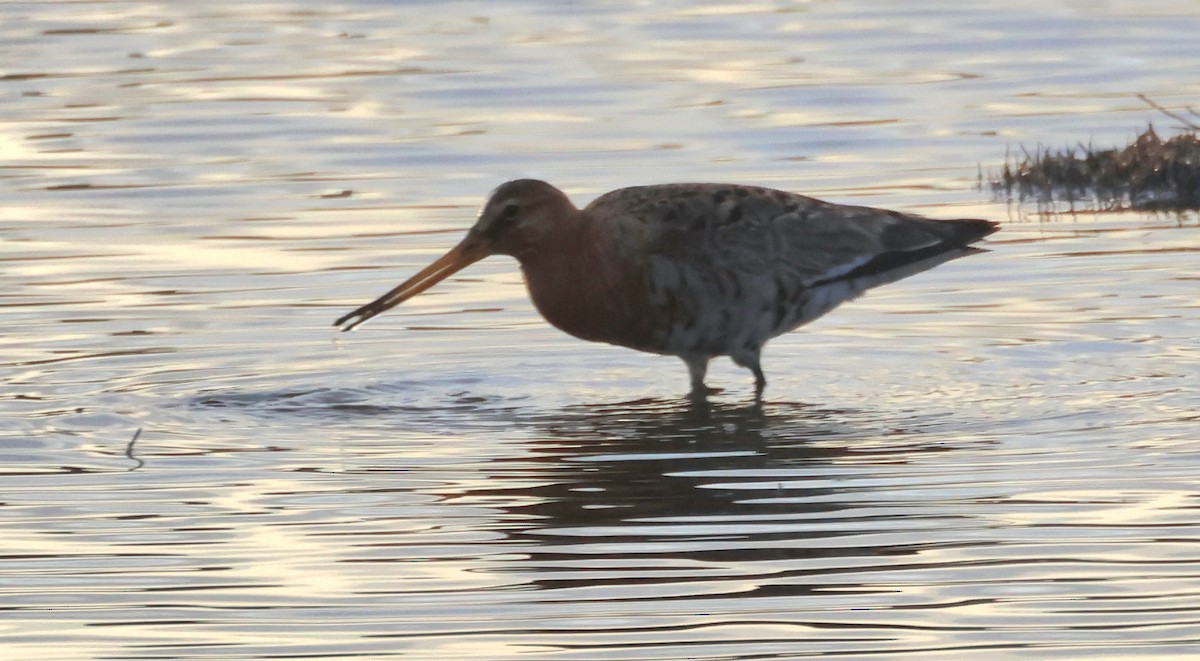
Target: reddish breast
<point>582,284</point>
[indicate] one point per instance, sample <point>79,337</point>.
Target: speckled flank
<point>695,270</point>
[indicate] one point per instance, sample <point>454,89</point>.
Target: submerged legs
<point>750,360</point>
<point>698,367</point>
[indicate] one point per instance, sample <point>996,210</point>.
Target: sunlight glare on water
<point>996,458</point>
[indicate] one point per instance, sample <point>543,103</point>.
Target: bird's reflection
<point>652,458</point>
<point>659,482</point>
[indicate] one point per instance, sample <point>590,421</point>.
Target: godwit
<point>691,270</point>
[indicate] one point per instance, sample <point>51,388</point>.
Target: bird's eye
<point>510,211</point>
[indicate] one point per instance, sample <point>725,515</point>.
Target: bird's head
<point>516,218</point>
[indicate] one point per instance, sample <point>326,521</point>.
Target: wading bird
<point>691,270</point>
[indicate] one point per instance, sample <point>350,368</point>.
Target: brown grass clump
<point>1149,174</point>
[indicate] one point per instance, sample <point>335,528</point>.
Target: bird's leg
<point>760,383</point>
<point>697,368</point>
<point>750,361</point>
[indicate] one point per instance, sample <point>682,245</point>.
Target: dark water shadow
<point>652,455</point>
<point>655,483</point>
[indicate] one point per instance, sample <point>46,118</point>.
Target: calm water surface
<point>996,459</point>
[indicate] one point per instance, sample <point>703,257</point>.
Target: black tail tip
<point>973,229</point>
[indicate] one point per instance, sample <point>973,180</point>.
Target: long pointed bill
<point>466,253</point>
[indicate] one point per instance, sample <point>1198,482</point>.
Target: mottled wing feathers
<point>770,233</point>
